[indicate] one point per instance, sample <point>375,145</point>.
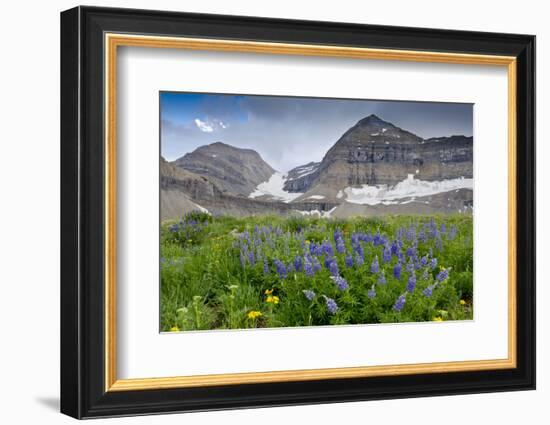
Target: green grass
<point>205,285</point>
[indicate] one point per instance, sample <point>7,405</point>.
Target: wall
<point>29,225</point>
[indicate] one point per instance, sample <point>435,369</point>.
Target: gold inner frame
<point>113,41</point>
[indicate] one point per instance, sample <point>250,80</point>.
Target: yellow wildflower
<point>174,329</point>
<point>272,299</point>
<point>254,314</point>
<point>268,291</point>
<point>437,319</point>
<point>462,302</point>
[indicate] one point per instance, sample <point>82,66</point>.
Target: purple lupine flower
<point>359,260</point>
<point>411,233</point>
<point>251,258</point>
<point>442,275</point>
<point>382,278</point>
<point>316,265</point>
<point>266,267</point>
<point>358,249</point>
<point>452,233</point>
<point>428,291</point>
<point>422,236</point>
<point>399,233</point>
<point>309,294</point>
<point>349,261</point>
<point>332,307</point>
<point>290,268</point>
<point>424,261</point>
<point>313,248</point>
<point>281,269</point>
<point>433,228</point>
<point>412,250</point>
<point>308,268</point>
<point>443,228</point>
<point>259,256</point>
<point>378,239</point>
<point>298,263</point>
<point>433,263</point>
<point>410,265</point>
<point>374,267</point>
<point>395,248</point>
<point>327,248</point>
<point>386,254</point>
<point>339,241</point>
<point>173,228</point>
<point>333,268</point>
<point>400,303</point>
<point>401,257</point>
<point>372,292</point>
<point>397,271</point>
<point>411,284</point>
<point>341,283</point>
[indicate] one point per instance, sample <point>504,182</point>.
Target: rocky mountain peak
<point>232,169</point>
<point>374,121</point>
<point>375,152</point>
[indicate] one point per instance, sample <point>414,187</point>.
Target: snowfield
<point>317,213</point>
<point>410,187</point>
<point>274,188</point>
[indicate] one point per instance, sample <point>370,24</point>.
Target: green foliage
<point>207,282</point>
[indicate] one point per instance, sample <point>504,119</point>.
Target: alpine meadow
<point>292,211</point>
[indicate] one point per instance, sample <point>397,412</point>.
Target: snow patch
<point>340,194</point>
<point>410,187</point>
<point>316,197</point>
<point>201,209</point>
<point>317,213</point>
<point>274,188</point>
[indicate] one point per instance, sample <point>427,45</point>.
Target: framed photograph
<point>261,212</point>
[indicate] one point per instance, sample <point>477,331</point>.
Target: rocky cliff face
<point>232,170</point>
<point>301,178</point>
<point>375,152</point>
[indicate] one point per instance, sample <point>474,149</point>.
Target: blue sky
<point>291,131</point>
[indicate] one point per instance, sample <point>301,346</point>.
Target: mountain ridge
<point>366,170</point>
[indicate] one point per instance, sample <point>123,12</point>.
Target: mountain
<point>376,152</point>
<point>233,170</point>
<point>374,168</point>
<point>183,191</point>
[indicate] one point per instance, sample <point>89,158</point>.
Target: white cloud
<point>210,125</point>
<point>204,126</point>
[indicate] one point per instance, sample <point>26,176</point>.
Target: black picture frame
<point>83,392</point>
